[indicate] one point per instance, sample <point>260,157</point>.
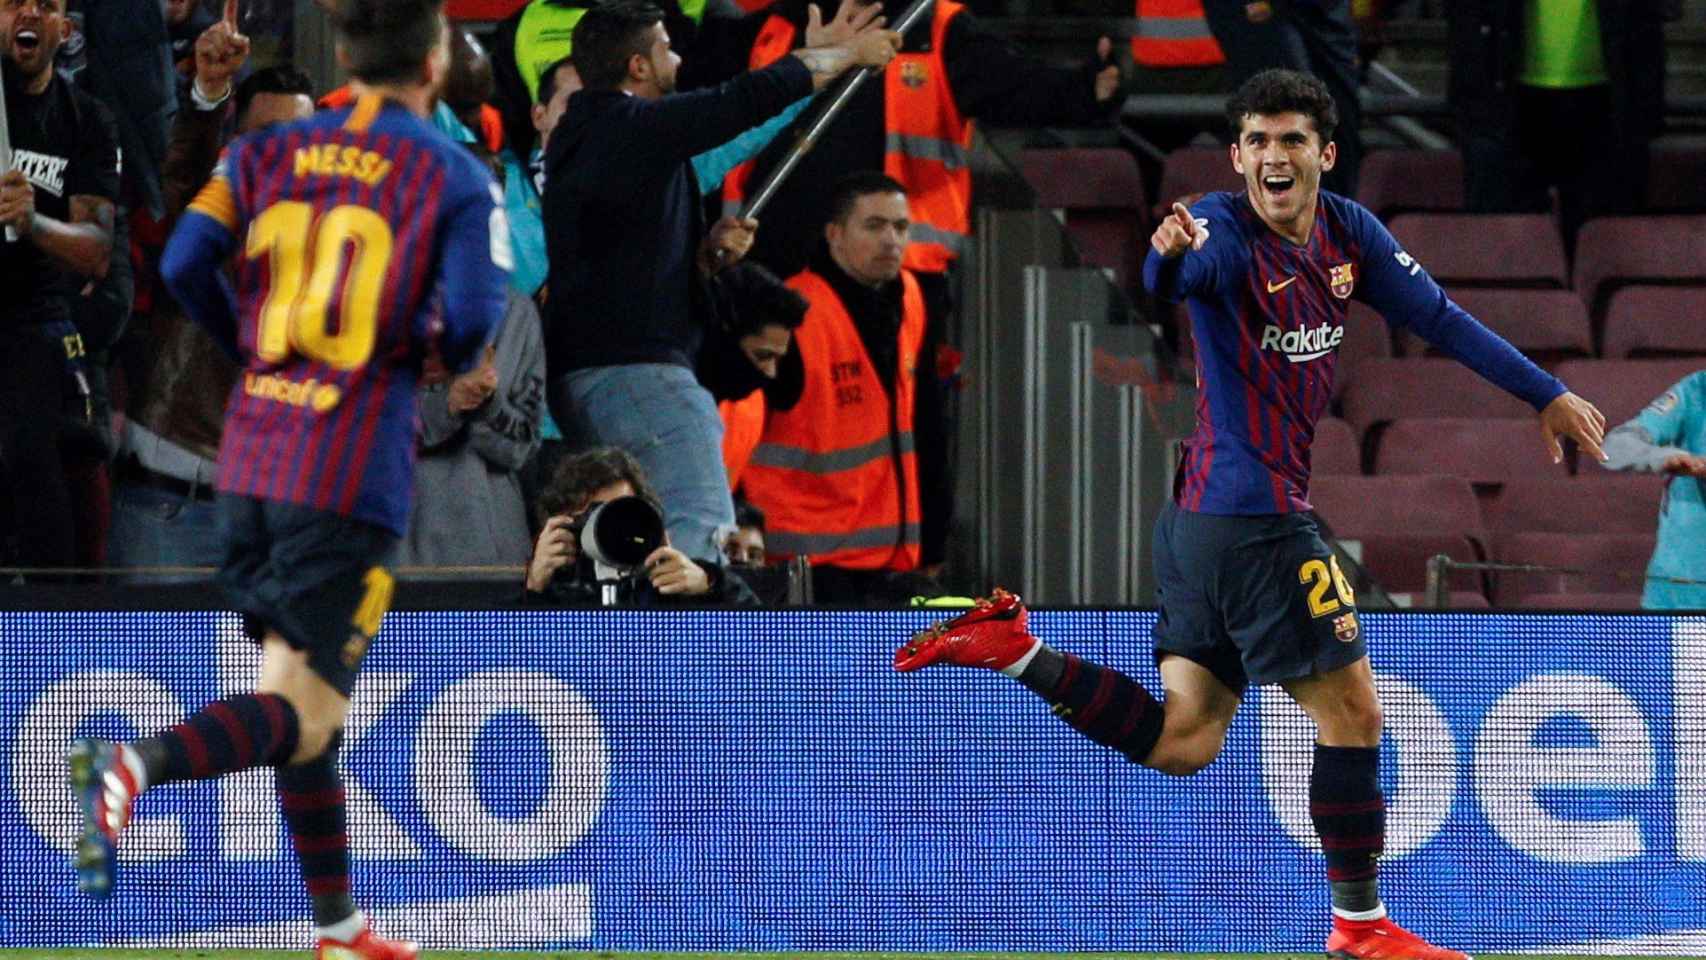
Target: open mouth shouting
<point>26,42</point>
<point>1278,186</point>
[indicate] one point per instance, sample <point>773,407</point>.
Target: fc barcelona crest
<point>914,74</point>
<point>1346,628</point>
<point>1342,280</point>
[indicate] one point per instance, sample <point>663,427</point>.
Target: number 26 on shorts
<point>1322,576</point>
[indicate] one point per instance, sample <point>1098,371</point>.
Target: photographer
<point>561,574</point>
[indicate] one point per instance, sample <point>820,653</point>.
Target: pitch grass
<point>114,954</point>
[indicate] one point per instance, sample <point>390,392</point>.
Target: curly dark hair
<point>757,299</point>
<point>1283,91</point>
<point>580,475</point>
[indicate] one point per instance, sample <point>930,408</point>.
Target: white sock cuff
<point>1018,666</point>
<point>347,929</point>
<point>132,761</point>
<point>1378,913</point>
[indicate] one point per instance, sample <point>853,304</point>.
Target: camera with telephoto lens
<point>615,538</point>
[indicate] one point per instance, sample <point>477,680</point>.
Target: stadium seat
<point>1620,388</point>
<point>1193,170</point>
<point>1101,193</point>
<point>1548,325</point>
<point>1399,561</point>
<point>1596,502</point>
<point>1402,181</point>
<point>1604,563</point>
<point>1614,251</point>
<point>1384,390</point>
<point>1362,506</point>
<point>1367,337</point>
<point>1598,602</point>
<point>1674,184</point>
<point>1644,322</point>
<point>1485,249</point>
<point>1336,451</point>
<point>1478,450</point>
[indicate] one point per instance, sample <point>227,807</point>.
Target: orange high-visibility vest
<point>837,475</point>
<point>743,424</point>
<point>927,150</point>
<point>1174,33</point>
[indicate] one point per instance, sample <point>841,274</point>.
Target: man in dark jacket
<point>1551,93</point>
<point>629,254</point>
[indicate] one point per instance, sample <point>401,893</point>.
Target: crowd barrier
<point>604,780</point>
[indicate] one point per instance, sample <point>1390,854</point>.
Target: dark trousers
<point>33,397</point>
<point>1314,37</point>
<point>1562,139</point>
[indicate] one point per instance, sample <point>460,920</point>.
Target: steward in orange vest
<point>916,125</point>
<point>1174,33</point>
<point>836,470</point>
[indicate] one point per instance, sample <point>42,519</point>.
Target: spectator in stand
<point>477,431</point>
<point>163,500</point>
<point>629,253</point>
<point>557,575</point>
<point>524,181</point>
<point>744,353</point>
<point>1314,36</point>
<point>1669,437</point>
<point>186,21</point>
<point>835,471</point>
<point>57,201</point>
<point>745,547</point>
<point>1558,94</point>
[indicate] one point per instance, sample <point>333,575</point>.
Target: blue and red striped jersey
<point>366,236</point>
<point>1267,316</point>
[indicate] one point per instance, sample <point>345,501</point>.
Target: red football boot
<point>1381,940</point>
<point>991,634</point>
<point>366,946</point>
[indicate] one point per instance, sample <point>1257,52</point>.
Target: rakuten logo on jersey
<point>1309,343</point>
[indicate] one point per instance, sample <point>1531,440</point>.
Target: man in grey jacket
<point>477,431</point>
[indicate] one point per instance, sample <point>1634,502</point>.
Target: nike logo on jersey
<point>1308,343</point>
<point>1277,287</point>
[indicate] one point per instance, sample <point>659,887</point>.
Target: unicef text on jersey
<point>644,781</point>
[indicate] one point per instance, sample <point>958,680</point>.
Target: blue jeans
<point>158,528</point>
<point>660,414</point>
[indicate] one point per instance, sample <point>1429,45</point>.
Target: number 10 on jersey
<point>305,260</point>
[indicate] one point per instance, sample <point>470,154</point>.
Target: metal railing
<point>1436,594</point>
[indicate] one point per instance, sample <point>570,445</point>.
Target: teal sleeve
<point>1667,418</point>
<point>714,164</point>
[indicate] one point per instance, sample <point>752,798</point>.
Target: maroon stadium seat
<point>1485,249</point>
<point>1594,502</point>
<point>1548,325</point>
<point>1674,184</point>
<point>1383,390</point>
<point>1360,506</point>
<point>1600,602</point>
<point>1607,563</point>
<point>1101,192</point>
<point>1621,388</point>
<point>1645,322</point>
<point>1480,451</point>
<point>1193,170</point>
<point>1336,450</point>
<point>1399,181</point>
<point>1399,561</point>
<point>1367,337</point>
<point>1614,251</point>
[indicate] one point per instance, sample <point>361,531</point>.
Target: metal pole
<point>1434,595</point>
<point>6,152</point>
<point>834,103</point>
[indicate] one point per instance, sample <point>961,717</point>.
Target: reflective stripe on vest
<point>837,474</point>
<point>927,148</point>
<point>823,544</point>
<point>1174,33</point>
<point>785,457</point>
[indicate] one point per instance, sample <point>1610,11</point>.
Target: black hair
<point>279,78</point>
<point>607,36</point>
<point>758,299</point>
<point>1277,91</point>
<point>747,515</point>
<point>388,40</point>
<point>850,188</point>
<point>580,475</point>
<point>548,79</point>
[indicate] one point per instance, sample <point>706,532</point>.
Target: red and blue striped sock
<point>247,730</point>
<point>1350,818</point>
<point>312,798</point>
<point>1100,702</point>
